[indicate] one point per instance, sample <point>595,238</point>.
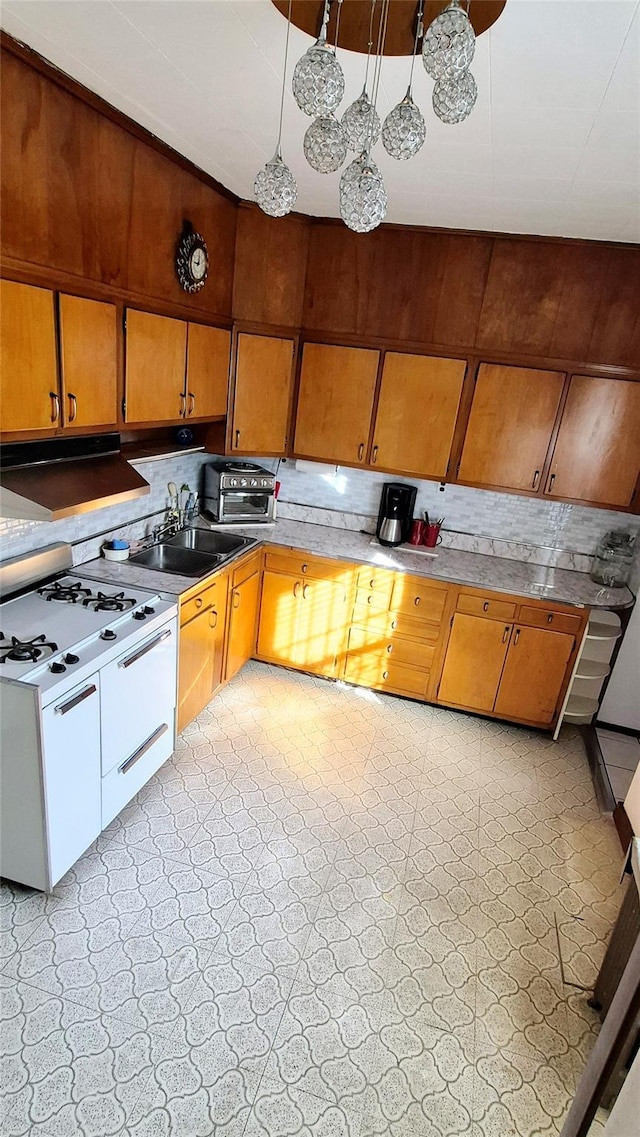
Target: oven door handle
<point>64,708</point>
<point>137,754</point>
<point>143,650</point>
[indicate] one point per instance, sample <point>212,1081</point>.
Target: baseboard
<point>601,783</point>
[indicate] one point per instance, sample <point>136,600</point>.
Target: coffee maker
<point>396,513</point>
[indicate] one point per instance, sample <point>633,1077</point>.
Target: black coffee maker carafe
<point>396,513</point>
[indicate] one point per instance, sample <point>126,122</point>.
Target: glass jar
<point>613,559</point>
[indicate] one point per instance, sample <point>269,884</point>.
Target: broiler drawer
<point>122,783</point>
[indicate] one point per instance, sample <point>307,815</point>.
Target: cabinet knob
<point>389,649</point>
<point>73,407</point>
<point>369,599</point>
<point>55,406</point>
<point>417,601</point>
<point>385,674</point>
<point>372,584</point>
<point>394,624</point>
<point>485,606</point>
<point>304,568</point>
<point>198,602</point>
<point>550,618</point>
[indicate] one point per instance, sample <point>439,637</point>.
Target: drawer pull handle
<point>213,619</point>
<point>73,407</point>
<point>417,601</point>
<point>372,584</point>
<point>237,439</point>
<point>374,456</point>
<point>360,451</point>
<point>147,647</point>
<point>183,405</point>
<point>65,707</point>
<point>304,568</point>
<point>192,403</point>
<point>385,674</point>
<point>534,484</point>
<point>305,589</point>
<point>296,589</point>
<point>55,406</point>
<point>389,649</point>
<point>550,618</point>
<point>516,637</point>
<point>485,606</point>
<point>505,634</point>
<point>551,481</point>
<point>369,599</point>
<point>137,754</point>
<point>394,624</point>
<point>235,598</point>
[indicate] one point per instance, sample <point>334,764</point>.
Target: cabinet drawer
<point>412,597</point>
<point>548,618</point>
<point>248,567</point>
<point>200,602</point>
<point>393,624</point>
<point>369,641</point>
<point>299,565</point>
<point>124,780</point>
<point>376,580</point>
<point>376,601</point>
<point>485,606</point>
<point>370,671</point>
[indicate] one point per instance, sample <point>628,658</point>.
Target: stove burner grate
<point>65,593</point>
<point>27,651</point>
<point>104,603</point>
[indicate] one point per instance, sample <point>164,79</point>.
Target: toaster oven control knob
<point>70,657</point>
<point>139,615</point>
<point>253,482</point>
<point>243,481</point>
<point>233,481</point>
<point>57,668</point>
<point>108,634</point>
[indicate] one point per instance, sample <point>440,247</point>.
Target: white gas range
<point>88,691</point>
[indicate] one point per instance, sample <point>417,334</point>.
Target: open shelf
<point>603,630</point>
<point>592,669</point>
<point>580,709</point>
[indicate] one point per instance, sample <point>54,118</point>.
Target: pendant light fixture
<point>404,129</point>
<point>363,197</point>
<point>450,43</point>
<point>454,99</point>
<point>318,81</point>
<point>325,143</point>
<point>360,121</point>
<point>275,186</point>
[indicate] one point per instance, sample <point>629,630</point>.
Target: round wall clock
<point>192,259</point>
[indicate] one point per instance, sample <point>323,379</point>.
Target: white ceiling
<point>552,146</point>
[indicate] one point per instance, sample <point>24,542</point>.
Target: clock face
<point>192,260</point>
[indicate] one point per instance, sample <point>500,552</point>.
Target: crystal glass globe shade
<point>449,44</point>
<point>363,198</point>
<point>325,145</point>
<point>454,99</point>
<point>361,124</point>
<point>318,81</point>
<point>275,188</point>
<point>404,130</point>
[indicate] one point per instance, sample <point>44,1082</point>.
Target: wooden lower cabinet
<point>244,599</point>
<point>533,674</point>
<point>201,648</point>
<point>303,622</point>
<point>473,665</point>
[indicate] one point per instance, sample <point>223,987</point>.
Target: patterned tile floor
<point>331,913</point>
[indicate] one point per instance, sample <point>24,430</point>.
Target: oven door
<point>247,507</point>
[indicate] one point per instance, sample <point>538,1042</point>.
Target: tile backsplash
<point>545,532</point>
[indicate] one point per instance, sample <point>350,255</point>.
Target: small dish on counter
<point>116,550</point>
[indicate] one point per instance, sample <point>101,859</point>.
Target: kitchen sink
<point>210,541</point>
<point>180,561</point>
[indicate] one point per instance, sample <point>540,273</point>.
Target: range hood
<point>62,477</point>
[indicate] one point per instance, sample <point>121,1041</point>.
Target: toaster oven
<point>238,492</point>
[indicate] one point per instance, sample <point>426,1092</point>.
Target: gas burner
<point>66,593</point>
<point>27,651</point>
<point>103,603</point>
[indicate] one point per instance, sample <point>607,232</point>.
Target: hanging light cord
<point>382,35</point>
<point>284,80</point>
<point>369,46</point>
<point>322,38</point>
<point>415,47</point>
<point>335,41</point>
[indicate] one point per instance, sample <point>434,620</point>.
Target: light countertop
<point>564,586</point>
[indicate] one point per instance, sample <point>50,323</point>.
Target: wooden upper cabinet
<point>510,426</point>
<point>262,398</point>
<point>597,452</point>
<point>335,402</point>
<point>416,416</point>
<point>208,356</point>
<point>28,371</point>
<point>155,368</point>
<point>89,362</point>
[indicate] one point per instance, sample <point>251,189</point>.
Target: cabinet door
<point>416,416</point>
<point>264,377</point>
<point>335,402</point>
<point>473,664</point>
<point>533,674</point>
<point>512,417</point>
<point>196,665</point>
<point>208,355</point>
<point>322,626</point>
<point>243,615</point>
<point>597,452</point>
<point>279,617</point>
<point>28,372</point>
<point>89,367</point>
<point>155,371</point>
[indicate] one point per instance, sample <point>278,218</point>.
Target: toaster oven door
<point>247,507</point>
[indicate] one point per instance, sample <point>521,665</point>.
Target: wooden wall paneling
<point>339,280</point>
<point>615,338</point>
<point>522,297</point>
<point>88,362</point>
<point>585,268</point>
<point>270,267</point>
<point>596,457</point>
<point>513,414</point>
<point>28,363</point>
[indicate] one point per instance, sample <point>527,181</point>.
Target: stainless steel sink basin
<point>210,541</point>
<point>180,561</point>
